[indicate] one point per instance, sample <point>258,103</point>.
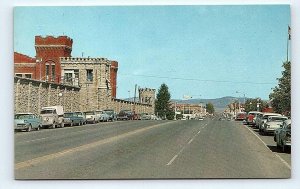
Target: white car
<point>273,123</point>
<point>263,119</point>
<point>103,116</point>
<point>282,136</point>
<point>91,117</point>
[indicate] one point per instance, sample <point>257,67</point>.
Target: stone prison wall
<point>32,95</point>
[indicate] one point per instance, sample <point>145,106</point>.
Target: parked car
<point>71,119</point>
<point>27,122</point>
<point>145,116</point>
<point>273,123</point>
<point>251,117</point>
<point>91,117</point>
<point>81,114</point>
<point>240,116</point>
<point>263,119</point>
<point>282,136</point>
<point>112,114</point>
<point>103,116</point>
<point>125,115</point>
<point>52,116</point>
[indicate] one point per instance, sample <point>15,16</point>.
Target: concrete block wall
<point>32,95</point>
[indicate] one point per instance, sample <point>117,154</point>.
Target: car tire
<point>29,128</point>
<point>283,147</point>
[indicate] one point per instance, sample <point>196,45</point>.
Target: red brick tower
<point>113,78</point>
<point>48,50</point>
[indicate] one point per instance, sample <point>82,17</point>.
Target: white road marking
<point>170,162</point>
<point>38,160</point>
<point>280,158</point>
<point>181,150</point>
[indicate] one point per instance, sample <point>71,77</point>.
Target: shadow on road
<point>277,150</point>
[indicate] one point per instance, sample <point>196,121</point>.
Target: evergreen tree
<point>162,103</point>
<point>281,95</point>
<point>210,108</point>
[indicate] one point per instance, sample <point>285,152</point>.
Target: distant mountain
<point>219,103</point>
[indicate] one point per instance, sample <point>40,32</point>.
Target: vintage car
<point>125,115</point>
<point>52,116</point>
<point>91,117</point>
<point>103,116</point>
<point>251,117</point>
<point>112,116</point>
<point>240,116</point>
<point>282,136</point>
<point>263,119</point>
<point>81,114</point>
<point>27,122</point>
<point>145,116</point>
<point>71,119</point>
<point>273,123</point>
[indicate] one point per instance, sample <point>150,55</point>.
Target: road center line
<point>282,160</point>
<point>38,160</point>
<point>181,150</point>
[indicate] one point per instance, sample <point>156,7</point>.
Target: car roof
<point>24,113</point>
<point>257,112</point>
<point>271,114</point>
<point>278,116</point>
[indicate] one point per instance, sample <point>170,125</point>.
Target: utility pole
<point>287,44</point>
<point>134,98</point>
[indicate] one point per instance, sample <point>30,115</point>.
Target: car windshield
<point>89,113</point>
<point>108,112</point>
<point>46,111</point>
<point>277,119</point>
<point>68,114</point>
<point>23,116</point>
<point>79,114</point>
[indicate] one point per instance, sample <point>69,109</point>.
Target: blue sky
<point>212,51</point>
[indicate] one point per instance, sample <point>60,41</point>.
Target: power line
<point>201,80</point>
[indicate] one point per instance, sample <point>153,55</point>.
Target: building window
<point>53,72</point>
<point>19,75</point>
<point>47,71</point>
<point>89,75</point>
<point>68,77</point>
<point>28,76</point>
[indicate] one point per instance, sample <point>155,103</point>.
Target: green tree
<point>281,95</point>
<point>251,104</point>
<point>162,103</point>
<point>210,108</point>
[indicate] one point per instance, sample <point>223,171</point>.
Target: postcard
<point>152,92</point>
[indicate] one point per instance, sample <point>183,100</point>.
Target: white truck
<point>52,116</point>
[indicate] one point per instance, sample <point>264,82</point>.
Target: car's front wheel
<point>29,128</point>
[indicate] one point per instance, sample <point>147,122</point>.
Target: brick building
<point>46,65</point>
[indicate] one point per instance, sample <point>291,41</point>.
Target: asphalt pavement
<point>149,150</point>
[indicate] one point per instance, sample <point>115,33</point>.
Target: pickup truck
<point>52,116</point>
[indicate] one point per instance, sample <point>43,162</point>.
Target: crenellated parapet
<point>53,41</point>
<point>84,60</point>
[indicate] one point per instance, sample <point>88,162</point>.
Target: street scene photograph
<point>152,92</point>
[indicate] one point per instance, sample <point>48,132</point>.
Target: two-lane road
<point>146,149</point>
